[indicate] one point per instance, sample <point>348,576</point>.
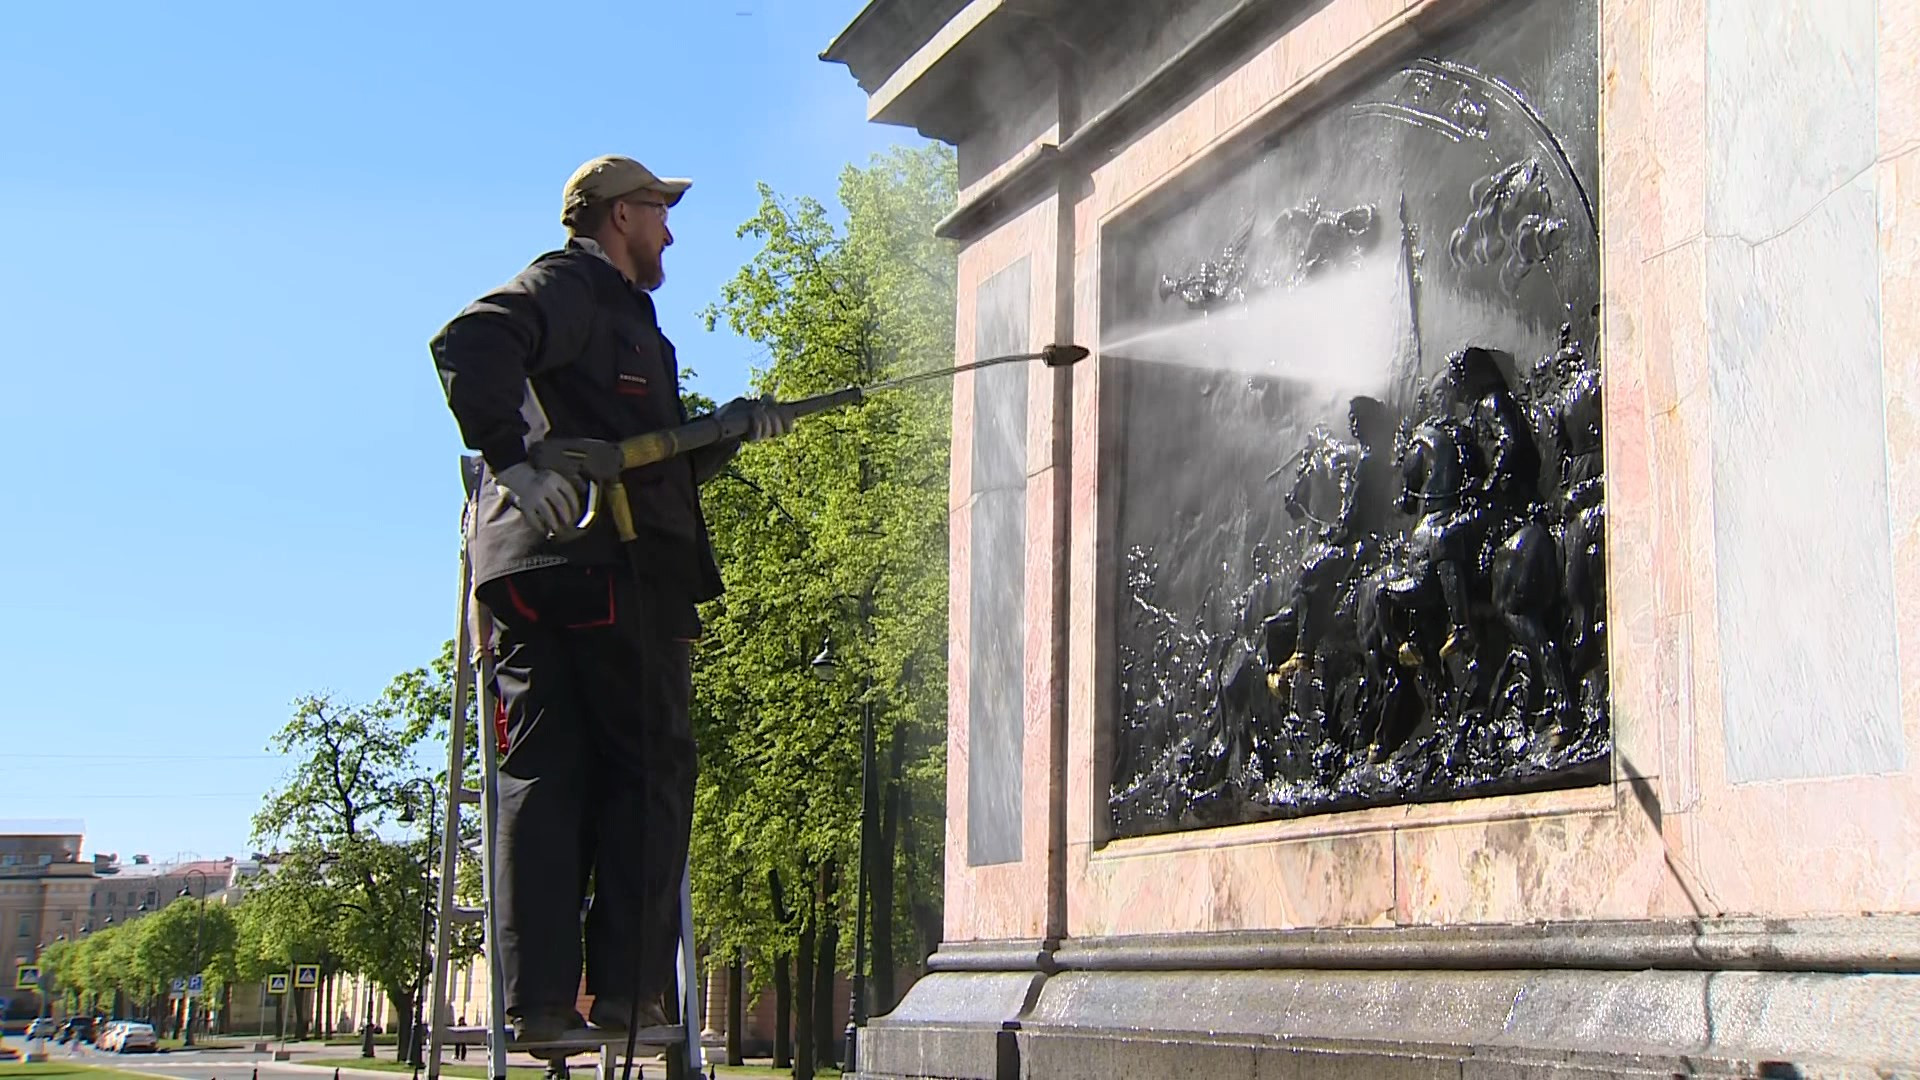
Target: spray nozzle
<point>1062,355</point>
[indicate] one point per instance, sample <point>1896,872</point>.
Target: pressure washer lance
<point>599,464</point>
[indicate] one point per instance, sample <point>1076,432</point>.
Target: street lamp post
<point>419,1042</point>
<point>199,922</point>
<point>823,666</point>
<point>366,1023</point>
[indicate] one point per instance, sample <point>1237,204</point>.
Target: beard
<point>652,273</point>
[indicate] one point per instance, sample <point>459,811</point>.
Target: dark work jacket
<point>570,348</point>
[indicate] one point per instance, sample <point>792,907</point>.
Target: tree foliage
<point>354,880</point>
<point>138,960</point>
<point>834,534</point>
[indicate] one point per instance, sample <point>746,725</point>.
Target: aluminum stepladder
<point>474,661</point>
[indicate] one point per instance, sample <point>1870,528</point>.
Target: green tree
<point>836,533</point>
<point>345,895</point>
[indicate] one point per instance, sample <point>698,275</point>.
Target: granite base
<point>1768,1006</point>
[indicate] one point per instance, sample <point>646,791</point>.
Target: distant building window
<point>151,901</point>
<point>132,898</point>
<point>9,860</point>
<point>93,900</point>
<point>26,925</point>
<point>66,916</point>
<point>46,860</point>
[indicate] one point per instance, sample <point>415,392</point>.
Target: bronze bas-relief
<point>1411,607</point>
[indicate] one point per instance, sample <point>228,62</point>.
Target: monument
<point>1461,621</point>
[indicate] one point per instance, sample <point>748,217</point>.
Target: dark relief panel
<point>996,728</point>
<point>1355,441</point>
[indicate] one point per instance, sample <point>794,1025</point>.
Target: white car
<point>135,1037</point>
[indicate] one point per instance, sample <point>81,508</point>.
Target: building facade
<point>44,889</point>
<point>49,892</point>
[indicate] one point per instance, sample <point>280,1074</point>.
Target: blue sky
<point>229,231</point>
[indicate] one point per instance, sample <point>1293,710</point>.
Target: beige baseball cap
<point>611,177</point>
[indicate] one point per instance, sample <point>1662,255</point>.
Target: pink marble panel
<point>1334,881</point>
<point>960,448</point>
<point>1632,327</point>
<point>1045,547</point>
<point>959,669</point>
<point>1829,847</point>
<point>1697,685</point>
<point>1844,845</point>
<point>1897,108</point>
<point>1678,135</point>
<point>1606,865</point>
<point>1083,622</point>
<point>1012,900</point>
<point>1040,231</point>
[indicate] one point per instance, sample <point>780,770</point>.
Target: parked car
<point>41,1028</point>
<point>134,1037</point>
<point>77,1029</point>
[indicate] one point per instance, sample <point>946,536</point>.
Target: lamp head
<point>823,665</point>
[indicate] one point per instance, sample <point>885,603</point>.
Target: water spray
<point>599,464</point>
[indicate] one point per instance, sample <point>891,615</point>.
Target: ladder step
<point>469,796</point>
<point>462,914</point>
<point>579,1040</point>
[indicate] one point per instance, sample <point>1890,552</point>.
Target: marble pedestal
<point>1739,896</point>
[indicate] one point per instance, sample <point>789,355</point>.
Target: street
<point>306,1063</point>
<point>231,1064</point>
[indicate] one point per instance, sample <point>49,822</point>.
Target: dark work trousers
<point>596,790</point>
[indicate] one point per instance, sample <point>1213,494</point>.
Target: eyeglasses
<point>653,202</point>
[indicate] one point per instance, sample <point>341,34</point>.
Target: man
<point>593,637</point>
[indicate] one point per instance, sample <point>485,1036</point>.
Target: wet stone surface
<point>1360,551</point>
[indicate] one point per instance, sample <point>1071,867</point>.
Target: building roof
<point>212,868</point>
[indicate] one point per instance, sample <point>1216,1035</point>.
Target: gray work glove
<point>547,499</point>
<point>765,419</point>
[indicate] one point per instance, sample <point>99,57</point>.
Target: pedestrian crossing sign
<point>306,976</point>
<point>277,983</point>
<point>26,976</point>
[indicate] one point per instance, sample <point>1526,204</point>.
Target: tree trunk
<point>884,859</point>
<point>783,1003</point>
<point>783,1011</point>
<point>803,1006</point>
<point>826,1035</point>
<point>736,1007</point>
<point>402,1023</point>
<point>823,969</point>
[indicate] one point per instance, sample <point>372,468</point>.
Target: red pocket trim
<point>521,605</point>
